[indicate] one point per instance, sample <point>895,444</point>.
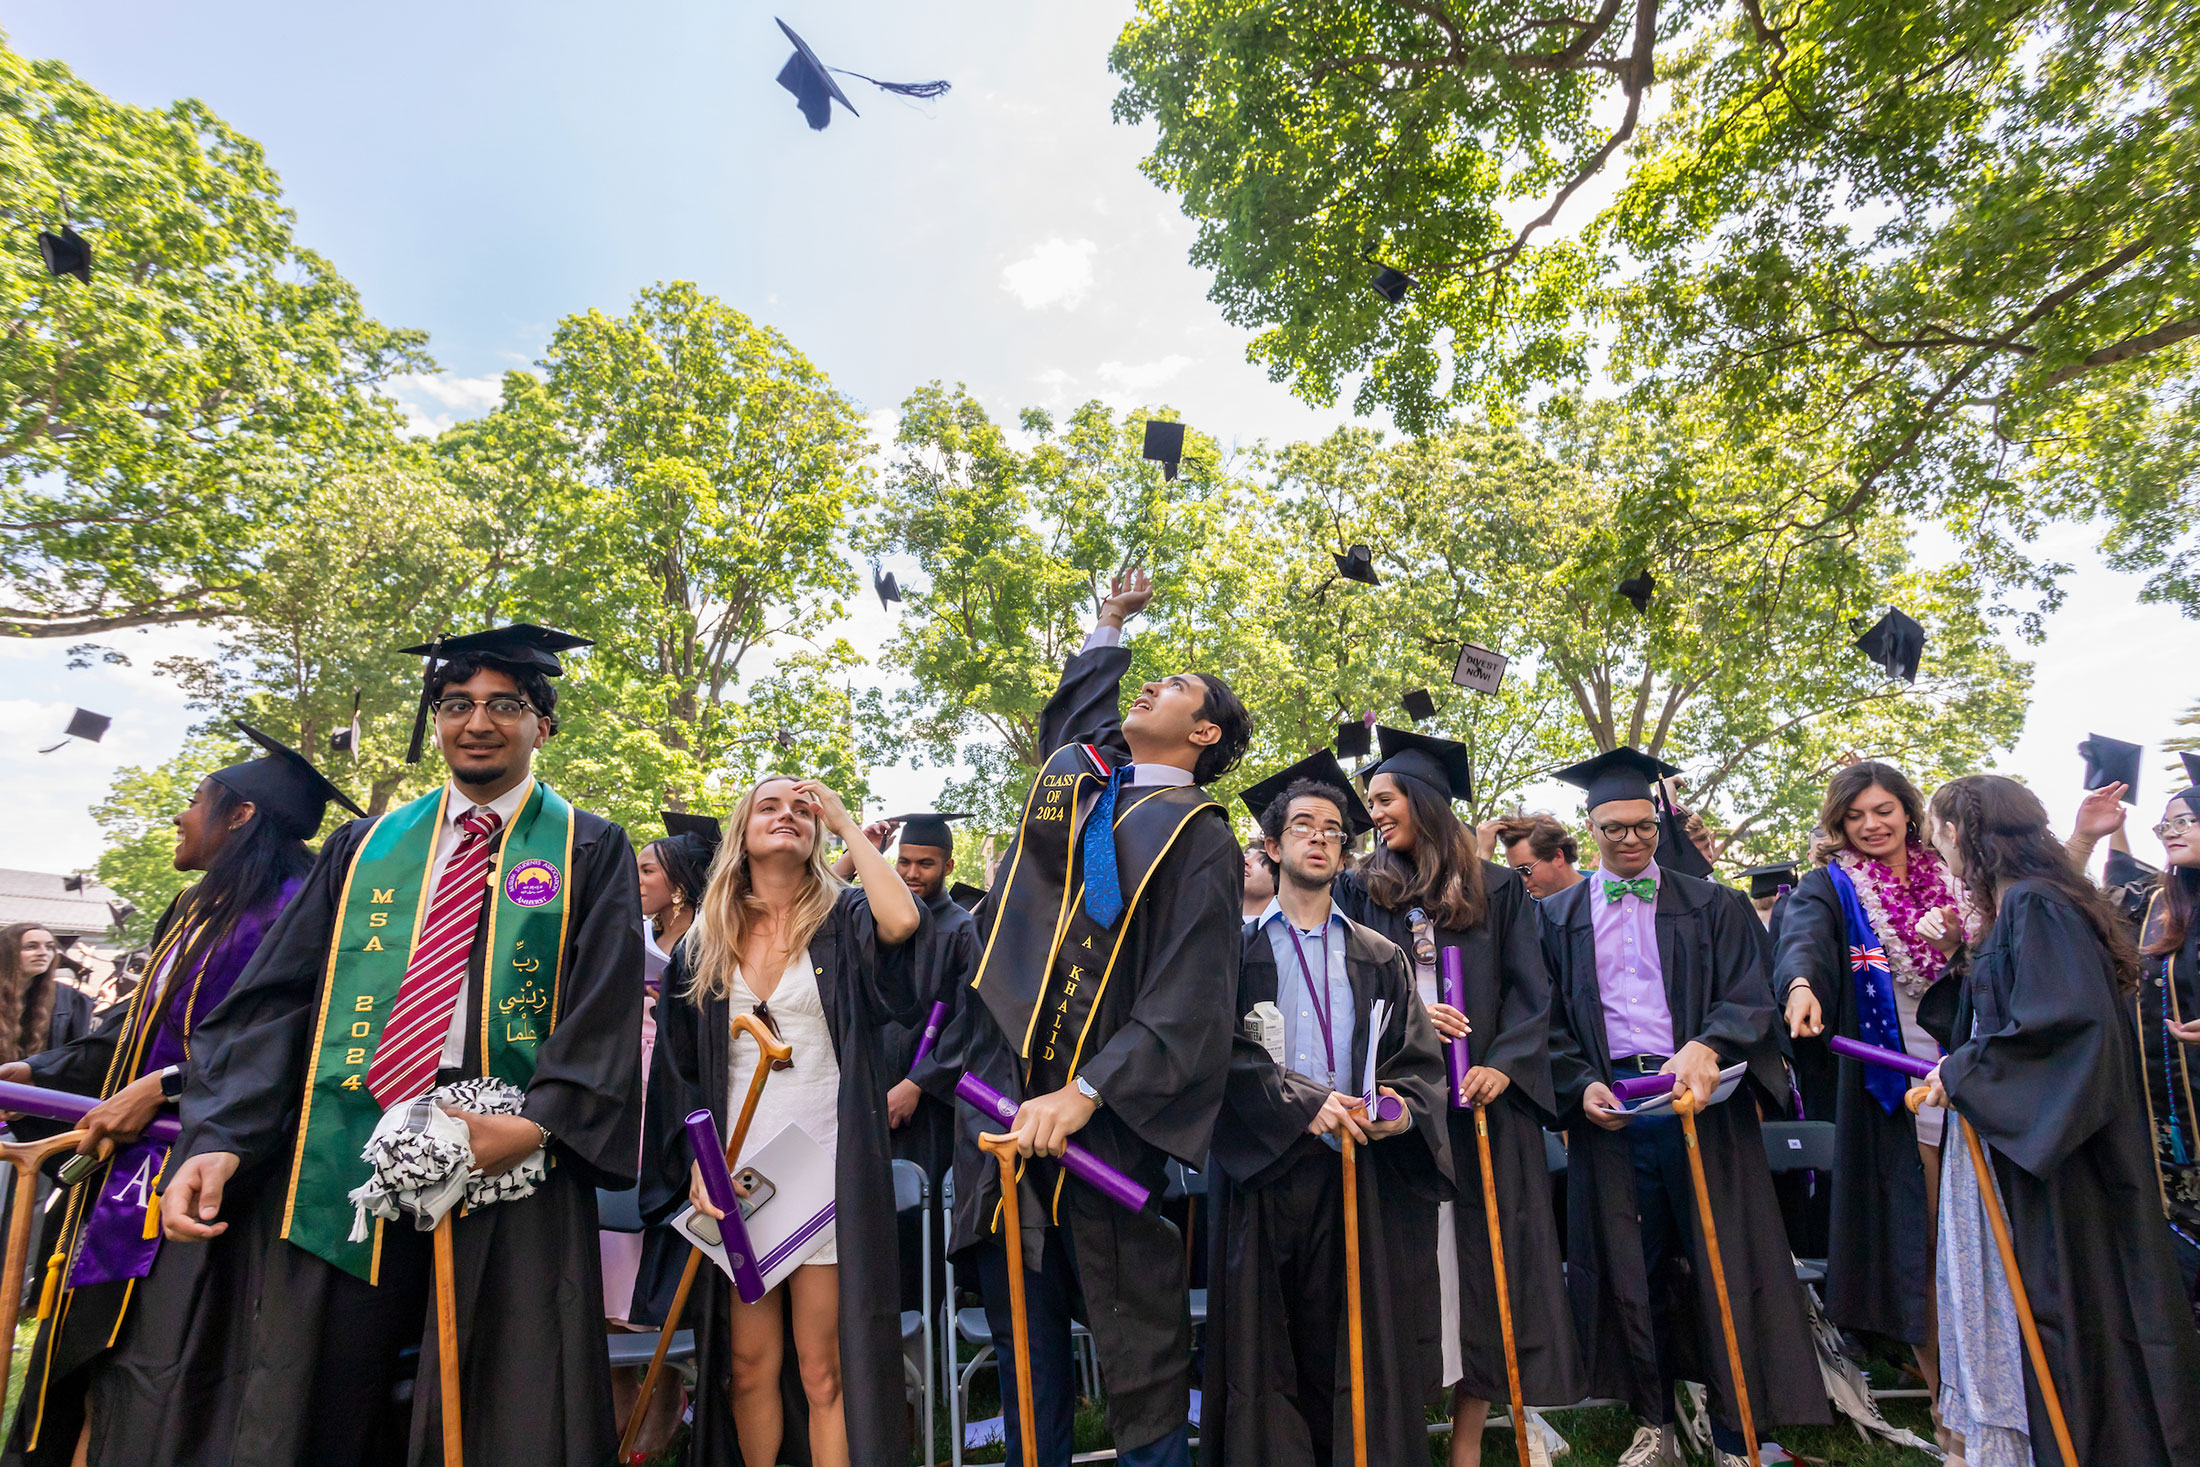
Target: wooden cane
<point>1504,1286</point>
<point>1355,1324</point>
<point>1003,1149</point>
<point>26,1157</point>
<point>2030,1327</point>
<point>770,1050</point>
<point>446,1343</point>
<point>1685,1105</point>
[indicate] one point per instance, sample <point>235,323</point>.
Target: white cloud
<point>1135,377</point>
<point>1057,272</point>
<point>433,402</point>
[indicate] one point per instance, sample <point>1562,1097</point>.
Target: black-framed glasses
<point>1642,830</point>
<point>503,711</point>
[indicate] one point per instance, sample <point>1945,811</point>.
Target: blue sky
<point>479,171</point>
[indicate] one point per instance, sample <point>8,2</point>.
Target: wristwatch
<point>1084,1088</point>
<point>171,1083</point>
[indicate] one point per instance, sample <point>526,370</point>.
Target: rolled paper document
<point>1457,1057</point>
<point>931,1032</point>
<point>1872,1054</point>
<point>710,1163</point>
<point>60,1105</point>
<point>1077,1161</point>
<point>1642,1087</point>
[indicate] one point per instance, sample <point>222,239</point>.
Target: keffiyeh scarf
<point>422,1159</point>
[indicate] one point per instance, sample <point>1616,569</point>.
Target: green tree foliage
<point>1944,252</point>
<point>152,420</point>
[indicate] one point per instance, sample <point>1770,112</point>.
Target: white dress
<point>807,1095</point>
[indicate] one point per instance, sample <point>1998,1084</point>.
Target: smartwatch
<point>171,1083</point>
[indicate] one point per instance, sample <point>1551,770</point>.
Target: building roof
<point>44,897</point>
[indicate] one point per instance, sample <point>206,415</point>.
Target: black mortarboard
<point>2191,761</point>
<point>1896,642</point>
<point>346,740</point>
<point>966,896</point>
<point>1676,852</point>
<point>1441,764</point>
<point>1618,774</point>
<point>1419,705</point>
<point>682,824</point>
<point>1322,767</point>
<point>813,86</point>
<point>66,253</point>
<point>1392,284</point>
<point>1638,589</point>
<point>521,645</point>
<point>1164,445</point>
<point>887,587</point>
<point>1353,739</point>
<point>929,828</point>
<point>1766,881</point>
<point>83,724</point>
<point>2112,761</point>
<point>291,794</point>
<point>1355,564</point>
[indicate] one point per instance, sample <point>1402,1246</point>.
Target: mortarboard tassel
<point>420,714</point>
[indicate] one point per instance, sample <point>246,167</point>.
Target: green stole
<point>392,875</point>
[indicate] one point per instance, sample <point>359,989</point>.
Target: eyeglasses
<point>1308,830</point>
<point>503,712</point>
<point>2175,825</point>
<point>1522,868</point>
<point>1642,830</point>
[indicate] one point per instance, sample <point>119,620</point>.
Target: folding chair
<point>1801,1146</point>
<point>913,1189</point>
<point>1192,1187</point>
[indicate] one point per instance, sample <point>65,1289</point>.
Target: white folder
<point>790,1211</point>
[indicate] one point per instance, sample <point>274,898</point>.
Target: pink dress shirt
<point>1630,976</point>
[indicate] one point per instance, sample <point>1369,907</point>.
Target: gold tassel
<point>54,1268</point>
<point>152,1214</point>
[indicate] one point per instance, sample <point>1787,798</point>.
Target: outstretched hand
<point>2101,812</point>
<point>1127,596</point>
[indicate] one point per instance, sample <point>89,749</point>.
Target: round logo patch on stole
<point>532,884</point>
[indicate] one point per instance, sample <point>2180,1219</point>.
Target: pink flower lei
<point>1894,907</point>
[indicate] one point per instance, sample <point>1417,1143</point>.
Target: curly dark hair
<point>1277,813</point>
<point>1223,709</point>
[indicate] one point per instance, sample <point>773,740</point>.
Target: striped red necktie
<point>411,1047</point>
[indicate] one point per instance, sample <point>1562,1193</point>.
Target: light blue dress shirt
<point>1303,1049</point>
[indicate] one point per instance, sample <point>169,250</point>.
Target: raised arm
<point>1087,706</point>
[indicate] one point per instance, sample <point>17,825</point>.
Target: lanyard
<point>1318,998</point>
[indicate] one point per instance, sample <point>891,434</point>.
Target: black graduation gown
<point>1159,1047</point>
<point>942,961</point>
<point>1879,1267</point>
<point>535,1379</point>
<point>1716,989</point>
<point>2049,1076</point>
<point>1249,1411</point>
<point>1509,1009</point>
<point>864,989</point>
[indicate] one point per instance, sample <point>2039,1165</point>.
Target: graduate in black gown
<point>285,1088</point>
<point>1425,889</point>
<point>245,829</point>
<point>823,965</point>
<point>1278,1385</point>
<point>1656,973</point>
<point>1102,1007</point>
<point>2043,1063</point>
<point>2167,1008</point>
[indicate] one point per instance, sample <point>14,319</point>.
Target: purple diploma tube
<point>1458,1059</point>
<point>60,1105</point>
<point>710,1161</point>
<point>1872,1054</point>
<point>1383,1108</point>
<point>1643,1087</point>
<point>932,1027</point>
<point>1077,1161</point>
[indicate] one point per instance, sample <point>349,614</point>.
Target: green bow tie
<point>1641,886</point>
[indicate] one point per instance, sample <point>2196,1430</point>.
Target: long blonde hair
<point>730,906</point>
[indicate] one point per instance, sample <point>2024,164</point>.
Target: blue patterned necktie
<point>1103,883</point>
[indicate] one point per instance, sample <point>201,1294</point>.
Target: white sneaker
<point>1728,1459</point>
<point>1653,1446</point>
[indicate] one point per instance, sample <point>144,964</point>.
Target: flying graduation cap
<point>346,740</point>
<point>815,91</point>
<point>522,646</point>
<point>289,793</point>
<point>1441,764</point>
<point>1354,739</point>
<point>1355,564</point>
<point>1164,445</point>
<point>929,828</point>
<point>1896,642</point>
<point>66,253</point>
<point>1638,590</point>
<point>2112,761</point>
<point>1392,283</point>
<point>83,724</point>
<point>887,587</point>
<point>1419,705</point>
<point>1321,767</point>
<point>1768,881</point>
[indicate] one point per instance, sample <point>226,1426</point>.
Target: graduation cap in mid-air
<point>75,883</point>
<point>1392,283</point>
<point>1322,767</point>
<point>1164,445</point>
<point>83,724</point>
<point>346,740</point>
<point>1353,738</point>
<point>815,91</point>
<point>1441,764</point>
<point>2112,761</point>
<point>66,253</point>
<point>1355,564</point>
<point>887,587</point>
<point>522,645</point>
<point>1896,642</point>
<point>1768,881</point>
<point>929,828</point>
<point>1419,705</point>
<point>291,795</point>
<point>1637,589</point>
